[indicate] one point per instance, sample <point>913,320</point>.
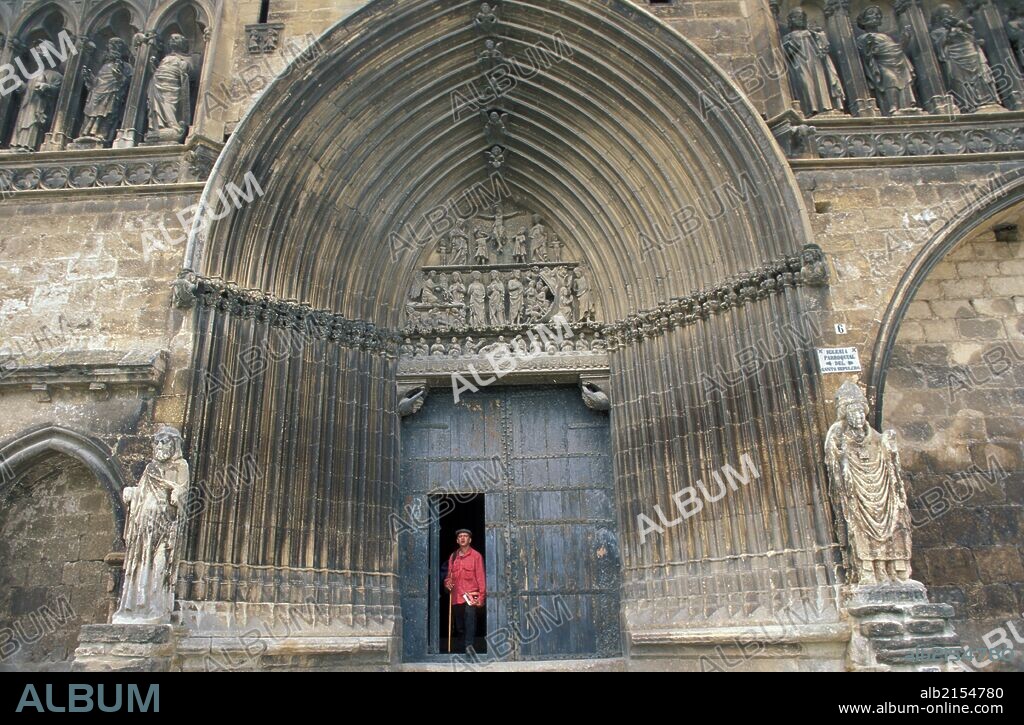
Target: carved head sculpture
<point>456,278</point>
<point>852,405</point>
<point>812,254</point>
<point>117,50</point>
<point>485,8</point>
<point>535,219</point>
<point>177,43</point>
<point>476,276</point>
<point>942,15</point>
<point>167,444</point>
<point>870,18</point>
<point>489,44</point>
<point>797,19</point>
<point>494,117</point>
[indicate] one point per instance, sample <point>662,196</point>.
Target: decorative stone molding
<point>107,168</point>
<point>229,298</point>
<point>262,38</point>
<point>908,136</point>
<point>99,371</point>
<point>740,290</point>
<point>596,392</point>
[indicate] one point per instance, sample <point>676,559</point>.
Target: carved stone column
<point>988,24</point>
<point>130,133</point>
<point>931,88</point>
<point>71,88</point>
<point>13,48</point>
<point>840,35</point>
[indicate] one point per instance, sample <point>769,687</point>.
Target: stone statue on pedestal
<point>151,533</point>
<point>868,493</point>
<point>815,79</point>
<point>107,91</point>
<point>37,104</point>
<point>968,75</point>
<point>169,94</point>
<point>886,66</point>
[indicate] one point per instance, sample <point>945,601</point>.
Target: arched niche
<point>191,20</point>
<point>27,127</point>
<point>121,20</point>
<point>58,523</point>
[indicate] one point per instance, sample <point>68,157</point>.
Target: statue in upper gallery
<point>967,72</point>
<point>868,493</point>
<point>36,113</point>
<point>813,73</point>
<point>886,65</point>
<point>496,300</point>
<point>108,89</point>
<point>169,95</point>
<point>151,533</point>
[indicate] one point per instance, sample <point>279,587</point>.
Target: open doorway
<point>451,514</point>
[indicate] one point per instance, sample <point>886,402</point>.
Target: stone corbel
<point>594,389</point>
<point>412,394</point>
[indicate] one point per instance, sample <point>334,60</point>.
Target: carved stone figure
<point>492,54</point>
<point>496,158</point>
<point>1015,31</point>
<point>868,492</point>
<point>422,348</point>
<point>168,96</point>
<point>457,290</point>
<point>477,297</point>
<point>495,131</point>
<point>428,293</point>
<point>815,79</point>
<point>584,300</point>
<point>515,298</point>
<point>565,303</point>
<point>538,239</point>
<point>556,249</point>
<point>458,243</point>
<point>967,72</point>
<point>107,91</point>
<point>813,270</point>
<point>151,533</point>
<point>481,249</point>
<point>407,348</point>
<point>886,65</point>
<point>438,349</point>
<point>496,300</point>
<point>487,19</point>
<point>519,247</point>
<point>37,104</point>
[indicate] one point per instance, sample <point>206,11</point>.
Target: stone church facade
<point>302,231</point>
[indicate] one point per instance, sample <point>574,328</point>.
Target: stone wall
<point>56,527</point>
<point>955,394</point>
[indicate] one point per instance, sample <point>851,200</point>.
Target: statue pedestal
<point>895,628</point>
<point>126,648</point>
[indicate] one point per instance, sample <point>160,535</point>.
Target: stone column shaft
<point>840,35</point>
<point>931,87</point>
<point>130,133</point>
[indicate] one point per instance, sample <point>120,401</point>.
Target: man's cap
<point>463,531</point>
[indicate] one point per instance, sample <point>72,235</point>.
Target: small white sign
<point>840,328</point>
<point>838,360</point>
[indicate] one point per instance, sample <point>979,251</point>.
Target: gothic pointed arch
<point>638,151</point>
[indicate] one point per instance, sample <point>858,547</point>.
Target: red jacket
<point>467,575</point>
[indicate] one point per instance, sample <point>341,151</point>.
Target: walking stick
<point>449,622</point>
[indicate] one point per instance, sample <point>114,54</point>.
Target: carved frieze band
<point>229,298</point>
<point>110,168</point>
<point>809,269</point>
<point>920,142</point>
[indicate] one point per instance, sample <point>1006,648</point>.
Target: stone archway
<point>633,145</point>
<point>58,523</point>
<point>953,392</point>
